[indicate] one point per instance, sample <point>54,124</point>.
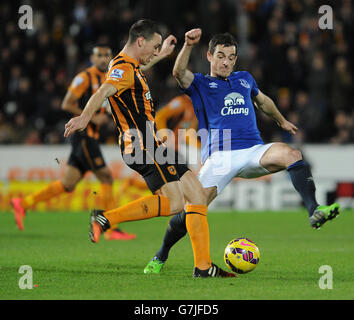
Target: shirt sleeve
<point>191,90</point>
<point>79,85</point>
<point>195,91</point>
<point>121,77</point>
<point>175,106</point>
<point>254,87</point>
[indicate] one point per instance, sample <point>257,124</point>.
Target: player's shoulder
<point>93,71</point>
<point>199,76</point>
<point>80,78</point>
<point>82,73</point>
<point>178,102</point>
<point>120,62</point>
<point>120,68</point>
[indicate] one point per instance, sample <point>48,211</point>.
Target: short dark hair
<point>143,28</point>
<point>225,39</point>
<point>100,45</point>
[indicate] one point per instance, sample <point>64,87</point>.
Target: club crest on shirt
<point>244,83</point>
<point>172,170</point>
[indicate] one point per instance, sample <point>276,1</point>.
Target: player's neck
<point>98,70</point>
<point>213,75</point>
<point>131,52</point>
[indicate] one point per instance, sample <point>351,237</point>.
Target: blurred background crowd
<point>307,71</point>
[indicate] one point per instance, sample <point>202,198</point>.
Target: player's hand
<point>288,126</point>
<point>100,119</point>
<point>75,124</point>
<point>192,37</point>
<point>168,45</point>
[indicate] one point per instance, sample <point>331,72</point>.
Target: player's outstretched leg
<point>108,202</point>
<point>98,225</point>
<point>176,230</point>
<point>20,205</point>
<point>140,209</point>
<point>19,212</point>
<point>116,233</point>
<point>280,156</point>
<point>323,214</point>
<point>154,266</point>
<point>303,182</point>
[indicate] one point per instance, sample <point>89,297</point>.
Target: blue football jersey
<point>225,111</point>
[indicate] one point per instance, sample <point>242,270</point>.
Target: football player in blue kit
<point>225,100</point>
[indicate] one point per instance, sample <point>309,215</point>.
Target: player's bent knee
<point>210,194</point>
<point>176,203</point>
<point>294,155</point>
<point>176,206</point>
<point>69,187</point>
<point>173,192</point>
<point>105,177</point>
<point>199,198</point>
<point>107,180</point>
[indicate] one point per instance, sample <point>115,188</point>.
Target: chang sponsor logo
<point>233,104</point>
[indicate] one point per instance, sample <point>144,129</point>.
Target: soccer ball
<point>241,255</point>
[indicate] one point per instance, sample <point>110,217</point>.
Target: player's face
<point>101,57</point>
<point>222,61</point>
<point>150,48</point>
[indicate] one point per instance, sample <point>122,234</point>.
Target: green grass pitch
<point>67,266</point>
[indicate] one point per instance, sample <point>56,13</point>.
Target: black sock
<point>176,230</point>
<point>302,180</point>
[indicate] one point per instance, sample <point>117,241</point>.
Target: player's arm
<point>267,105</point>
<point>77,89</point>
<point>184,76</point>
<point>93,105</point>
<point>166,49</point>
<point>71,100</point>
<point>70,104</point>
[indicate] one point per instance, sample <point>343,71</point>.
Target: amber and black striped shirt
<point>132,105</point>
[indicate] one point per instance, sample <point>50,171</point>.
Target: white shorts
<point>222,166</point>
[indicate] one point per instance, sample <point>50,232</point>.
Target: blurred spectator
<point>21,129</point>
<point>294,69</point>
<point>33,137</point>
<point>342,86</point>
<point>6,133</point>
<point>318,82</point>
<point>344,124</point>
